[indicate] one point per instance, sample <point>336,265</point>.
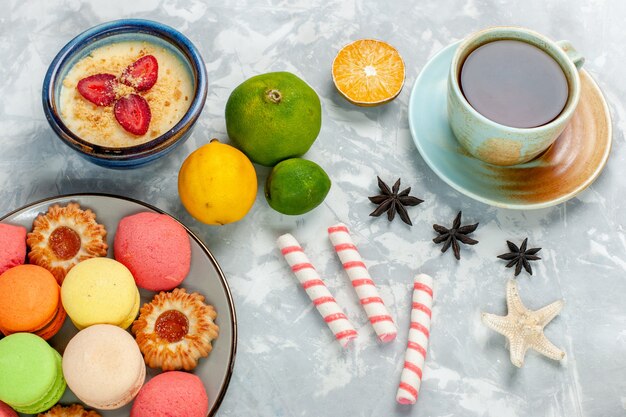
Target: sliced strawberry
<point>141,74</point>
<point>99,89</point>
<point>132,112</point>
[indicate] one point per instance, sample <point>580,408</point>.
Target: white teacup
<point>496,143</point>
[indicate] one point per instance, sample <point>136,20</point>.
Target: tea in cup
<point>511,92</point>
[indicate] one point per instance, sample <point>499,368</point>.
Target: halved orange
<point>368,72</point>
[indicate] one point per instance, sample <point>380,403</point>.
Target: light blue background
<point>287,362</point>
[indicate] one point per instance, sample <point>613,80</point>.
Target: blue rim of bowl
<point>154,146</point>
<point>205,249</point>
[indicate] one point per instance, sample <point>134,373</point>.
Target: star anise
<point>452,237</point>
<point>520,257</point>
<point>393,201</point>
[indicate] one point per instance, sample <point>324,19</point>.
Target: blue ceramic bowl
<point>119,31</point>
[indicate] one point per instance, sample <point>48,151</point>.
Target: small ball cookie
<point>175,330</point>
<point>6,411</point>
<point>63,237</point>
<point>179,394</point>
<point>156,249</point>
<point>12,246</point>
<point>74,410</point>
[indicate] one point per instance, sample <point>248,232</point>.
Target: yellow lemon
<point>217,184</point>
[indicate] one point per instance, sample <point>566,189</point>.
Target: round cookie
<point>172,393</point>
<point>175,330</point>
<point>64,236</point>
<point>12,246</point>
<point>155,248</point>
<point>74,410</point>
<point>104,367</point>
<point>100,291</point>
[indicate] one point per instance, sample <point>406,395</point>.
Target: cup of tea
<point>511,92</point>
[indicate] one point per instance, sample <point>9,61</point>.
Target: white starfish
<point>523,327</point>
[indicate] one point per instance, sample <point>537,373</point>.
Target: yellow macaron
<point>100,291</point>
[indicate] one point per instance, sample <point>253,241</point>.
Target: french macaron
<point>104,367</point>
<point>31,376</point>
<point>100,291</point>
<point>172,393</point>
<point>156,249</point>
<point>30,301</point>
<point>12,246</point>
<point>6,411</point>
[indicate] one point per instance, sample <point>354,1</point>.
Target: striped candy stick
<point>362,282</point>
<point>419,332</point>
<point>316,289</point>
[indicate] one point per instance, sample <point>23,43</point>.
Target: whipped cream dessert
<point>168,99</point>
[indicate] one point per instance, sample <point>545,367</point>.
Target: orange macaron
<point>30,301</point>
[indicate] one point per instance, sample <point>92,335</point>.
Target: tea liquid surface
<point>514,83</point>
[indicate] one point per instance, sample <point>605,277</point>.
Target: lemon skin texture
<point>217,184</point>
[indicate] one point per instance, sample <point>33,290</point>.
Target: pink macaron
<point>155,248</point>
<point>12,246</point>
<point>6,411</point>
<point>172,393</point>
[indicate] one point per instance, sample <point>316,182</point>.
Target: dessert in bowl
<point>125,92</point>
